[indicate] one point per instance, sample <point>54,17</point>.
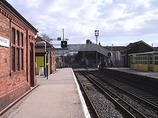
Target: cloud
<point>79,18</point>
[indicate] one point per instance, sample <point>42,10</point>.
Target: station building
<point>17,53</point>
<point>142,57</point>
<point>44,57</point>
<point>136,47</point>
<point>145,61</point>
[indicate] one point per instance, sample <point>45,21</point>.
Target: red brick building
<point>17,53</point>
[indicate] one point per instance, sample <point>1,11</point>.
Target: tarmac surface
<point>57,97</point>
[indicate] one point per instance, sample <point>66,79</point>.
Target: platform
<point>57,97</point>
<point>143,73</point>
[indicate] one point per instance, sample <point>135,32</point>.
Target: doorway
<point>32,70</point>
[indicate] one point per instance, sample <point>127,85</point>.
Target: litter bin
<point>41,71</point>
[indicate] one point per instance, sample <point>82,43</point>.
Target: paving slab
<point>57,97</point>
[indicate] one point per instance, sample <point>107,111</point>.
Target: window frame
<point>17,50</point>
<point>156,59</point>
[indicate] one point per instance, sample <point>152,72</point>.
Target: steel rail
<point>125,107</point>
<point>88,99</point>
<point>147,100</point>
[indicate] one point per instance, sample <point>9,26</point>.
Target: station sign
<point>4,42</point>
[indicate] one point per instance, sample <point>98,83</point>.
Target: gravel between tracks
<point>103,106</point>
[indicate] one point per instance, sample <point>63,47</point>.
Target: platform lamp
<point>96,32</point>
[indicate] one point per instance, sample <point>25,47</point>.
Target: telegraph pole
<point>96,35</point>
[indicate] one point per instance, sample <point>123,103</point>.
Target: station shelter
<point>145,61</point>
<point>44,57</point>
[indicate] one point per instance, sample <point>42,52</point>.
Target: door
<point>39,63</point>
<point>32,67</point>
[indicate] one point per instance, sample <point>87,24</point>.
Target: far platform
<point>143,73</point>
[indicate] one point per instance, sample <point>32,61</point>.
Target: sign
<point>64,44</point>
<point>4,42</point>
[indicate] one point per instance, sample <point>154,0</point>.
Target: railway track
<point>124,107</point>
<point>85,88</point>
<point>142,100</point>
<point>97,103</point>
<point>143,96</point>
<point>130,101</point>
<point>144,83</point>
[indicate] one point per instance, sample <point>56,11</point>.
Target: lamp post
<point>65,46</point>
<point>96,32</point>
<point>63,61</point>
<point>44,55</point>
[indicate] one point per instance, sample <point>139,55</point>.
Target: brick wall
<point>53,66</point>
<point>4,26</point>
<point>13,84</point>
<point>12,95</point>
<point>4,51</point>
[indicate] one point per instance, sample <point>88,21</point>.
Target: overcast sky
<point>119,22</point>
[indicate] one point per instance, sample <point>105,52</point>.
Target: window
<point>156,62</point>
<point>18,59</point>
<point>21,60</point>
<point>156,59</point>
<point>21,40</point>
<point>13,35</point>
<point>17,50</point>
<point>18,38</point>
<point>132,60</point>
<point>139,59</point>
<point>144,59</point>
<point>150,59</point>
<point>13,58</point>
<point>136,61</point>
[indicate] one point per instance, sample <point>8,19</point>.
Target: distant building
<point>136,47</point>
<point>145,61</point>
<point>120,53</point>
<point>88,41</point>
<point>115,48</point>
<point>116,54</point>
<point>156,48</point>
<point>17,52</point>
